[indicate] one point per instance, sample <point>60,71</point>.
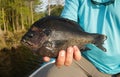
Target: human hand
<point>66,57</point>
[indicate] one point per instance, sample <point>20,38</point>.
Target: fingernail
<point>70,49</point>
<point>62,53</point>
<point>75,46</point>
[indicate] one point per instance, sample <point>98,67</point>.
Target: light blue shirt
<point>98,19</point>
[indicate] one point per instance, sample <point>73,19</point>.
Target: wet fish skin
<point>50,34</point>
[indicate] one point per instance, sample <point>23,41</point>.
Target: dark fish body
<point>51,34</point>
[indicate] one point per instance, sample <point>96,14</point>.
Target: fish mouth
<point>29,44</point>
<point>33,45</point>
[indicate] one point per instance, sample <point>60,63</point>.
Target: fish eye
<point>47,31</point>
<point>30,35</point>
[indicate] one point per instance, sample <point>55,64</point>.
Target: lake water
<point>18,62</point>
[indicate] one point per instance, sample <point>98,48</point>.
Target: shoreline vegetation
<point>10,39</point>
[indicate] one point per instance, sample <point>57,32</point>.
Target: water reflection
<point>18,62</point>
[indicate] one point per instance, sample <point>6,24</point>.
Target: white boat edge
<point>39,69</point>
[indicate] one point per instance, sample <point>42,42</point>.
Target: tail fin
<point>99,41</point>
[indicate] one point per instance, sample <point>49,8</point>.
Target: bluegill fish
<point>51,34</point>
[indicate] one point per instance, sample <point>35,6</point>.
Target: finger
<point>77,53</point>
<point>61,58</point>
<point>46,59</point>
<point>69,56</point>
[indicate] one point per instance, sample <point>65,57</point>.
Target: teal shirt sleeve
<point>103,20</point>
<point>70,10</point>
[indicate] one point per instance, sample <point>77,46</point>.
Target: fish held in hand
<point>51,34</point>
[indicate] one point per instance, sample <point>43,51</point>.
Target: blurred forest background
<point>16,17</point>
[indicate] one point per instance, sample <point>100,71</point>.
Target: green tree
<point>56,10</point>
<point>16,16</point>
